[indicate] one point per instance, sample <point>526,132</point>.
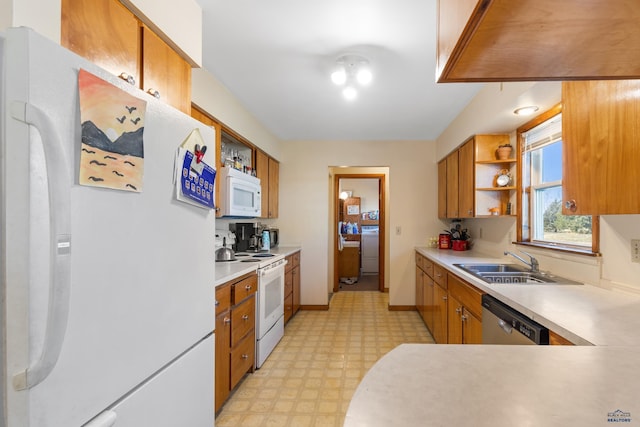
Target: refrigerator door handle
<point>105,419</point>
<point>59,185</point>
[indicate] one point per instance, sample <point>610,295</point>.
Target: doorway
<point>358,231</point>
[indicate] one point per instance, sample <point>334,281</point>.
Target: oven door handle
<point>263,272</point>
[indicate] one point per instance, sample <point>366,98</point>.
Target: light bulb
<point>364,76</point>
<point>349,93</point>
<point>339,76</point>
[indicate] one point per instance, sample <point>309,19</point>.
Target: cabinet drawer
<point>242,359</point>
<point>419,261</point>
<point>440,276</point>
<point>223,298</point>
<point>244,288</point>
<point>427,266</point>
<point>243,320</point>
<point>468,295</point>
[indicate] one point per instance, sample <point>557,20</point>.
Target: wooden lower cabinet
<point>450,308</point>
<point>465,312</point>
<point>291,286</point>
<point>235,334</point>
<point>440,326</point>
<point>555,339</point>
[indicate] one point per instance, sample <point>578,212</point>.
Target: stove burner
<point>250,260</point>
<point>263,255</point>
<point>242,255</point>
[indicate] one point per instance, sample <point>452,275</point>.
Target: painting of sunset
<point>112,153</point>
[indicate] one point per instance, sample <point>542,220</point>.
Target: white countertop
<point>496,385</point>
<point>488,385</point>
<point>583,314</point>
<point>226,271</point>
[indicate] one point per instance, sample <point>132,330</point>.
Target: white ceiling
<point>276,57</point>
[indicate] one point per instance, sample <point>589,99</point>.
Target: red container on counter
<point>444,241</point>
<point>459,245</point>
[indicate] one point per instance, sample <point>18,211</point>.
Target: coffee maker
<point>244,232</point>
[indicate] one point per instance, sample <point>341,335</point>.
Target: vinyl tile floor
<point>311,375</point>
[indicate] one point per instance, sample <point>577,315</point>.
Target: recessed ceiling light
<point>525,111</point>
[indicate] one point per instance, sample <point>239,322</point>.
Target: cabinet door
<point>243,320</point>
<point>428,304</point>
<point>439,331</point>
<point>454,332</point>
<point>222,362</point>
<point>420,292</point>
<point>104,32</point>
<point>164,71</point>
<point>466,180</point>
<point>274,187</point>
<point>442,188</point>
<point>452,185</point>
<point>600,133</point>
<point>262,172</point>
<point>296,289</point>
<point>201,116</point>
<point>471,328</point>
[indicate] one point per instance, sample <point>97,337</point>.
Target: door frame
<point>381,223</point>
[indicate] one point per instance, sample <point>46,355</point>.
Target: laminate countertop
<point>595,383</point>
<point>499,386</point>
<point>226,271</point>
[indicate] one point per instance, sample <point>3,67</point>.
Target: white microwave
<point>240,193</point>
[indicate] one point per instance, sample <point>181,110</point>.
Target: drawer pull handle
<point>464,317</point>
<point>226,321</point>
<point>444,298</point>
<point>248,287</point>
<point>217,303</point>
<point>153,93</point>
<point>245,317</point>
<point>459,310</point>
<point>128,78</point>
<point>245,356</point>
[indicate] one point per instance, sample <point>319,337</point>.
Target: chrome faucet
<point>535,267</point>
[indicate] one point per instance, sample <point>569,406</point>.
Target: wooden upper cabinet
<point>466,186</point>
<point>109,35</point>
<point>601,152</point>
<point>165,71</point>
<point>452,185</point>
<point>268,170</point>
<point>442,188</point>
<point>506,40</point>
<point>104,32</point>
<point>274,187</point>
<point>204,118</point>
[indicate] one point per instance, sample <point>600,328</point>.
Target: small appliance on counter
<point>274,236</point>
<point>243,236</point>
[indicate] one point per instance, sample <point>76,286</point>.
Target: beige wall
<point>305,209</point>
<point>41,15</point>
<point>213,97</point>
<point>366,189</point>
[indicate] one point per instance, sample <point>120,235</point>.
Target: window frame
<point>525,192</point>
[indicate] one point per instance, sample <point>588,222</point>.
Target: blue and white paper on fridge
<point>194,177</point>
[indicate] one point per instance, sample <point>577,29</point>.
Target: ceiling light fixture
<point>351,71</point>
<point>525,111</point>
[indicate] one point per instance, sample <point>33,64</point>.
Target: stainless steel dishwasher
<point>502,324</point>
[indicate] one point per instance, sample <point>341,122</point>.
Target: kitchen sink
<point>512,274</point>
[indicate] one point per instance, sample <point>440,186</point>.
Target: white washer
<point>370,242</point>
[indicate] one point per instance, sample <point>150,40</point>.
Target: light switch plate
<point>635,250</point>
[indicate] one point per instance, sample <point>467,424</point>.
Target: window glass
<point>542,218</point>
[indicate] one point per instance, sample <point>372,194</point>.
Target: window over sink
<point>542,222</point>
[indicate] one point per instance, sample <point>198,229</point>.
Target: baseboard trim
<point>401,307</point>
<point>315,307</point>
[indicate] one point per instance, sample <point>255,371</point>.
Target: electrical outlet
<point>398,230</point>
<point>635,250</point>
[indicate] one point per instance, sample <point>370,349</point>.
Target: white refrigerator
<point>107,295</point>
